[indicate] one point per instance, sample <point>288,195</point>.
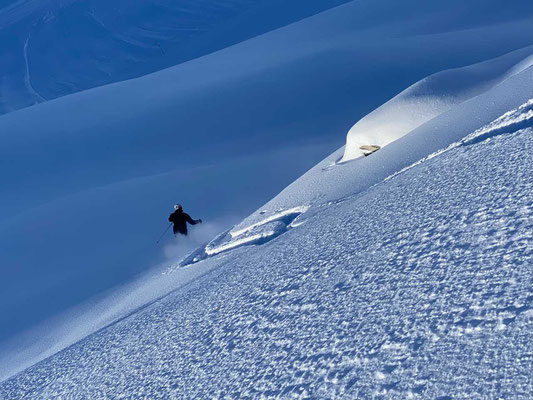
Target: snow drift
<point>332,181</point>
<point>429,98</point>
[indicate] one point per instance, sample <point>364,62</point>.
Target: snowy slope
<point>331,179</point>
<point>419,287</point>
<point>429,98</point>
<point>52,48</point>
<point>87,180</point>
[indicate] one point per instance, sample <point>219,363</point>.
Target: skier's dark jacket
<point>180,219</point>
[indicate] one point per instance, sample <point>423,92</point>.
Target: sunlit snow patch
<point>511,121</point>
<point>286,216</point>
<point>429,98</point>
<point>258,232</point>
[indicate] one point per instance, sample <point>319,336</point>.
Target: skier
<point>180,219</point>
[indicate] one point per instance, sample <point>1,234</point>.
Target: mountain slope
<point>419,287</point>
<point>53,48</point>
<point>88,179</point>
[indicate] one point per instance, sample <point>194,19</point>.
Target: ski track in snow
<point>257,233</point>
<point>420,287</point>
<point>277,216</point>
<point>27,78</point>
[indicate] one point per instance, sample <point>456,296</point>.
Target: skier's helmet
<point>177,207</point>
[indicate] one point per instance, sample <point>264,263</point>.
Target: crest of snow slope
<point>330,181</point>
<point>85,179</point>
<point>419,287</point>
<point>430,97</point>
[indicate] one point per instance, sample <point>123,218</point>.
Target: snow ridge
<point>511,121</point>
<point>431,97</point>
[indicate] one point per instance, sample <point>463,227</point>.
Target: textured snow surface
<point>86,180</point>
<point>419,287</point>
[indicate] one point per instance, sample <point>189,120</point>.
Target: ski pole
<point>163,234</point>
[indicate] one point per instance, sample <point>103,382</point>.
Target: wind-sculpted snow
<point>513,120</point>
<point>331,180</point>
<point>419,287</point>
<point>259,232</point>
<point>430,97</point>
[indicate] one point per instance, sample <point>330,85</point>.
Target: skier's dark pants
<point>179,229</point>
